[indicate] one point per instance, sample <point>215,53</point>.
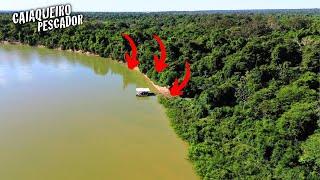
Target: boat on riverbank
<point>142,92</point>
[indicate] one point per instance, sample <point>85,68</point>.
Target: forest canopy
<point>251,108</point>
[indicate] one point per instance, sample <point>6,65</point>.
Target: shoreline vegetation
<point>160,89</point>
<point>80,112</point>
<point>251,108</point>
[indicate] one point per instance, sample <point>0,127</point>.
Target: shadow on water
<point>65,115</point>
<point>100,66</point>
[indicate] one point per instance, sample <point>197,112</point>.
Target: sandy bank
<point>161,90</point>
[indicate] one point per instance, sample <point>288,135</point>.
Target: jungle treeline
<point>251,108</point>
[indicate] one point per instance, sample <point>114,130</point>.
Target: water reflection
<point>64,67</point>
<point>2,75</point>
<point>64,62</point>
<point>69,116</point>
<point>24,73</point>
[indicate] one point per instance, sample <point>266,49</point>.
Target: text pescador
<point>52,17</point>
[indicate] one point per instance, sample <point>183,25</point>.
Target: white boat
<point>143,92</point>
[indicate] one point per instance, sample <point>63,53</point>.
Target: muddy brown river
<point>67,116</point>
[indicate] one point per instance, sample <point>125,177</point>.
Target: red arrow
<point>132,60</point>
<point>160,64</point>
<point>175,90</point>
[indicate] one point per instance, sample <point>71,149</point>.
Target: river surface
<point>67,116</point>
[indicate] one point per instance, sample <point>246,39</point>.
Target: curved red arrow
<point>132,60</point>
<point>160,64</point>
<point>175,90</point>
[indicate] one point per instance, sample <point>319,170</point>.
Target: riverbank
<point>55,103</point>
<point>160,89</point>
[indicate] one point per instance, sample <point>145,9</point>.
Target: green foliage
<point>251,108</point>
<point>298,122</point>
<point>311,154</point>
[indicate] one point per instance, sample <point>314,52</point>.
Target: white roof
<point>142,89</point>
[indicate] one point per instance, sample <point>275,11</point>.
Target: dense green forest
<point>251,108</point>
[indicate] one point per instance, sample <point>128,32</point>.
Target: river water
<point>67,116</point>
